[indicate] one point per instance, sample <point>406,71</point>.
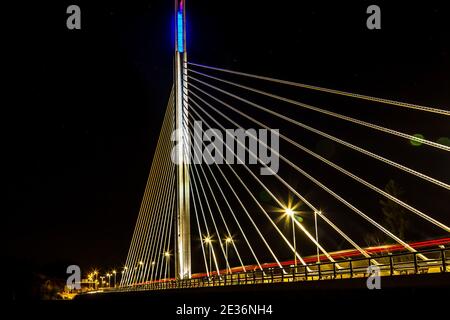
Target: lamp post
<point>167,255</point>
<point>228,240</point>
<point>109,279</point>
<point>140,269</point>
<point>115,279</point>
<point>125,270</point>
<point>153,269</point>
<point>95,278</point>
<point>291,214</point>
<point>208,242</point>
<point>317,235</point>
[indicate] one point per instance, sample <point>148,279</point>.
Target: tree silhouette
<point>394,214</point>
<point>394,217</point>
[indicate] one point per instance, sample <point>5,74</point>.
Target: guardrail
<point>438,260</point>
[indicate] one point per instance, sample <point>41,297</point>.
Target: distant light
<point>416,142</point>
<point>444,141</point>
<point>229,240</point>
<point>289,212</point>
<point>180,34</point>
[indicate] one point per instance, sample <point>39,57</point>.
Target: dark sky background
<point>88,104</point>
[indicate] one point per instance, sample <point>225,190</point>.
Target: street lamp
<point>291,214</point>
<point>228,240</point>
<point>167,255</point>
<point>115,279</point>
<point>317,234</point>
<point>124,270</point>
<point>109,279</point>
<point>95,278</point>
<point>208,242</point>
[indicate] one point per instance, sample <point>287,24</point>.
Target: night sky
<point>88,104</point>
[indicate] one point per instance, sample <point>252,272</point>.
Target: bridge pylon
<point>183,231</point>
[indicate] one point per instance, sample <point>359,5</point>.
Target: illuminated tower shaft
<point>183,230</point>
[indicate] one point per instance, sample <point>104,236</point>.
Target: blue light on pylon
<point>180,31</point>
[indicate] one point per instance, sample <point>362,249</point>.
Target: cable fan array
<point>244,221</point>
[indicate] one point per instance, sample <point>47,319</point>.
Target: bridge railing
<point>437,260</point>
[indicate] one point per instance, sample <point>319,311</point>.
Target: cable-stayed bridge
<point>245,186</point>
